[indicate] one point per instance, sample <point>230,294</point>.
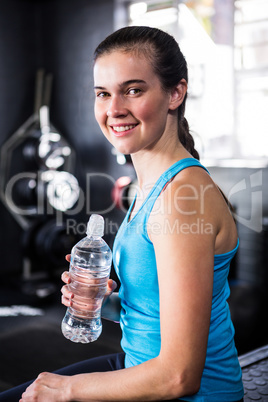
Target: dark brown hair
<point>166,58</point>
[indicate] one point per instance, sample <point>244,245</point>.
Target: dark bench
<point>254,366</point>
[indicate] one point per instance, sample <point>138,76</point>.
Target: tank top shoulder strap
<point>167,176</point>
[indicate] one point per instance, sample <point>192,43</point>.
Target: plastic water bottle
<point>90,267</point>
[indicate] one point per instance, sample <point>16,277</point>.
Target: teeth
<point>123,128</point>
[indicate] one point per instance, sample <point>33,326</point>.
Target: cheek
<point>101,117</point>
<point>146,112</point>
<point>153,113</point>
<point>99,114</point>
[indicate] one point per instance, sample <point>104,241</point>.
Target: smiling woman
<point>130,106</point>
<point>177,334</point>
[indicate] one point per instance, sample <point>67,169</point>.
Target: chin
<point>123,149</point>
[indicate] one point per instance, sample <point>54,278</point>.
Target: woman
<point>173,250</point>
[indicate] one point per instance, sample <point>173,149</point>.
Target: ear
<point>177,94</point>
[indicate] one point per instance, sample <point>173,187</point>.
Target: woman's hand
<point>47,387</point>
<point>67,295</point>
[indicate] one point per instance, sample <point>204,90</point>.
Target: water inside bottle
<point>80,329</point>
<point>89,273</point>
<point>88,292</point>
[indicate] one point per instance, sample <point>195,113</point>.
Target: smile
<point>120,129</point>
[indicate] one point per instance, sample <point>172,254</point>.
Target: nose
<point>116,107</point>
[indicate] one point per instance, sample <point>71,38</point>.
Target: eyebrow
<point>125,83</point>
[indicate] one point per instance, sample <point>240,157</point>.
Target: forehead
<point>122,66</point>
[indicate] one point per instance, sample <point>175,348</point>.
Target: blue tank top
<point>135,265</point>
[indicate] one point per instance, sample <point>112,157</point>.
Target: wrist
<point>69,389</point>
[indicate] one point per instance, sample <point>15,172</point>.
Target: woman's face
<point>131,108</point>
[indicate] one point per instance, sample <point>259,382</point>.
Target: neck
<point>149,165</point>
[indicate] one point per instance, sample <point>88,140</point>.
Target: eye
<point>102,94</point>
<point>134,91</point>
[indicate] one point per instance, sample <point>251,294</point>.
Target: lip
<point>122,133</point>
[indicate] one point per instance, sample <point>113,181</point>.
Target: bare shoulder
<point>193,200</point>
<point>191,193</point>
<point>193,188</point>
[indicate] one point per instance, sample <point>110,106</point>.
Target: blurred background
<point>56,168</point>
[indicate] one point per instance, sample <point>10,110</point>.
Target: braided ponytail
<point>186,138</point>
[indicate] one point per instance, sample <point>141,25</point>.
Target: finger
<point>66,292</point>
<point>111,286</point>
<point>68,257</point>
<point>66,302</point>
<point>86,305</point>
<point>65,277</point>
<point>28,393</point>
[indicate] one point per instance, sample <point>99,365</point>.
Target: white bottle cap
<point>95,226</point>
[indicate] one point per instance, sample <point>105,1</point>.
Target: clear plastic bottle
<point>90,267</point>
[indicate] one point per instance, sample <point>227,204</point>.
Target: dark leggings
<point>97,364</point>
